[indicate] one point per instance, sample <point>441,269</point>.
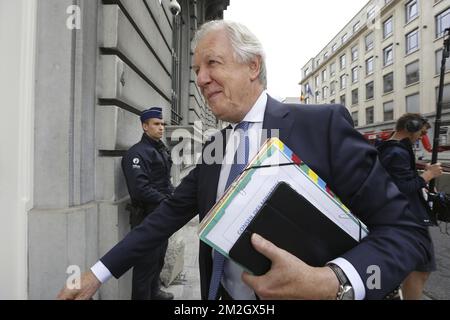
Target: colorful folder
<point>228,220</point>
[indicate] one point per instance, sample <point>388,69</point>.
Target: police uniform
<point>146,167</point>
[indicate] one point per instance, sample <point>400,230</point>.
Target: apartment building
<point>384,62</point>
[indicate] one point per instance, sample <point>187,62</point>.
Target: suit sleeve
<point>171,215</point>
<point>396,161</point>
<point>138,179</point>
<point>396,244</point>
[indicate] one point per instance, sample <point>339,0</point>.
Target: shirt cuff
<point>352,276</point>
<point>101,272</point>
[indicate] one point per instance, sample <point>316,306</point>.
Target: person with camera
<point>397,157</point>
<point>146,167</point>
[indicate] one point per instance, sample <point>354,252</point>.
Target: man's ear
<point>145,126</point>
<point>255,68</point>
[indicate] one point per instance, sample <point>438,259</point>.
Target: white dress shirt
<point>232,272</point>
<point>231,279</point>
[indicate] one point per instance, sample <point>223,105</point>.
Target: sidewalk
<point>187,285</point>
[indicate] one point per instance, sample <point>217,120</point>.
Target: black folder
<point>292,223</point>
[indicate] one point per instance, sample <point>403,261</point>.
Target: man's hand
<point>432,171</point>
<point>89,284</point>
<point>289,277</point>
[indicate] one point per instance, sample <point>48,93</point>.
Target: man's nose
<point>203,77</point>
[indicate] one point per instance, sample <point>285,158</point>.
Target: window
<point>369,41</point>
<point>334,47</point>
<point>355,74</point>
<point>317,96</point>
<point>356,27</point>
<point>333,87</point>
<point>413,103</point>
<point>324,75</point>
<point>388,111</point>
<point>388,82</point>
<point>355,118</point>
<point>325,55</point>
<point>439,62</point>
<point>388,55</point>
<point>342,61</point>
<point>355,53</point>
<point>370,13</point>
<point>306,72</point>
<point>412,41</point>
<point>369,90</point>
<point>412,73</point>
<point>411,10</point>
<point>369,115</point>
<point>342,100</point>
<point>332,69</point>
<point>344,38</point>
<point>343,81</point>
<point>369,66</point>
<point>317,81</point>
<point>387,28</point>
<point>354,96</point>
<point>333,101</point>
<point>445,96</point>
<point>324,92</point>
<point>442,22</point>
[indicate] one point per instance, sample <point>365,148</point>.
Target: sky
<point>292,32</point>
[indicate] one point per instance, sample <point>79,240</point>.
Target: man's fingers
<point>265,247</point>
<point>66,294</point>
<point>253,282</point>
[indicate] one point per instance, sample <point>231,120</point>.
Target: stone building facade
<point>80,73</point>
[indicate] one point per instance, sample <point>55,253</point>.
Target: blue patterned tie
<point>240,160</point>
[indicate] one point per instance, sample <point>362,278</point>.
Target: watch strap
<point>346,291</point>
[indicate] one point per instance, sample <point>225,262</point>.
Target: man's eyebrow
<point>215,56</point>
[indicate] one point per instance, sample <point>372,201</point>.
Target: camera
<point>174,7</point>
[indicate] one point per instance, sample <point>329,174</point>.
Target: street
<point>438,286</point>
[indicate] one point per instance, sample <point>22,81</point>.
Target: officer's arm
<point>138,180</point>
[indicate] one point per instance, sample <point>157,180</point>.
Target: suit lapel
<point>276,117</point>
<point>212,173</point>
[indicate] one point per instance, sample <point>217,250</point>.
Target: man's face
<point>227,85</point>
<point>154,128</point>
<point>419,134</point>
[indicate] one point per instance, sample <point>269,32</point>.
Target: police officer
<point>146,166</point>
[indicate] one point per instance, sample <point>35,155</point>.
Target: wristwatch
<point>346,291</point>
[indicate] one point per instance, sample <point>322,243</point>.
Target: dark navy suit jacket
<point>323,137</point>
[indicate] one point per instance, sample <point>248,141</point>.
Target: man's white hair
<point>245,44</point>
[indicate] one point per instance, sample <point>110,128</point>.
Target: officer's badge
<point>136,160</point>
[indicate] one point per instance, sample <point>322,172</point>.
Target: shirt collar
<point>256,113</point>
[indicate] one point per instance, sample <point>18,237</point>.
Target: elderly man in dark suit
<point>230,65</point>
